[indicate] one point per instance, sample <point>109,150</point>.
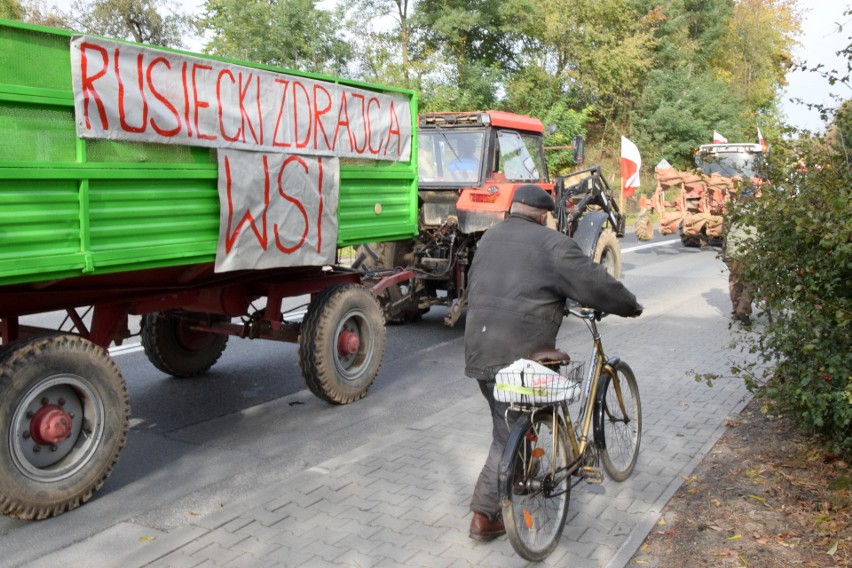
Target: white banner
<point>135,93</point>
<point>276,210</point>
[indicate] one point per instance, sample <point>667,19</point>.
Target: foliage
<point>286,33</point>
<point>800,268</point>
<point>569,123</point>
<point>11,9</point>
<point>381,51</point>
<point>155,22</point>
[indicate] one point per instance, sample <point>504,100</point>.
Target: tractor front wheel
<point>608,253</point>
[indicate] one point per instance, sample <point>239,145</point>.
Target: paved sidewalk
<point>404,502</point>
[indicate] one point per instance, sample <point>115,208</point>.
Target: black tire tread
<point>317,370</point>
<point>29,352</point>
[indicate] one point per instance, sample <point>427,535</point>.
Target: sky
<point>821,39</point>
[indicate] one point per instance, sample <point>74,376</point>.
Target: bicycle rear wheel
<point>618,427</point>
<point>534,484</point>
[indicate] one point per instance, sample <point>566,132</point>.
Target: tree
<point>11,9</point>
<point>142,21</point>
<point>470,45</point>
<point>284,33</point>
<point>381,37</point>
<point>756,52</point>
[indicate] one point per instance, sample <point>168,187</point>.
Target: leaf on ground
<point>833,550</point>
<point>147,538</point>
<point>735,537</point>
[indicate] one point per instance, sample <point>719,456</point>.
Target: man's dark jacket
<point>520,278</point>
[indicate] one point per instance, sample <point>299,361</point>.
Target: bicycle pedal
<point>592,475</point>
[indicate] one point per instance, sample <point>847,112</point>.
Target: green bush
<point>800,268</point>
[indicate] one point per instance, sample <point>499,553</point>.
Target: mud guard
<point>589,229</point>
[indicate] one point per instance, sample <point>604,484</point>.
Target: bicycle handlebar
<point>583,312</point>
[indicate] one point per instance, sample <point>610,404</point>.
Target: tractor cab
<point>470,163</point>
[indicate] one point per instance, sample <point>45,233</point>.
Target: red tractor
<point>469,166</point>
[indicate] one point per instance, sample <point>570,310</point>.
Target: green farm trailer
<point>115,227</point>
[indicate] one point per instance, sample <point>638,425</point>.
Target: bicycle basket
<point>530,383</point>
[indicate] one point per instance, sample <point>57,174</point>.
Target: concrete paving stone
<point>295,512</point>
<point>398,552</point>
<point>219,553</point>
<point>257,546</point>
<point>356,529</point>
<point>574,548</point>
<point>390,522</point>
<point>359,544</point>
<point>423,531</point>
<point>335,496</point>
<point>301,556</point>
<point>326,551</point>
<point>503,559</point>
<point>235,525</point>
<point>258,531</point>
<point>267,518</point>
<point>215,538</point>
<point>320,528</point>
<point>179,559</point>
<point>427,518</point>
<point>357,515</point>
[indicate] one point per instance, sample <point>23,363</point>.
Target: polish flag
<point>718,138</point>
<point>760,139</point>
<point>630,164</point>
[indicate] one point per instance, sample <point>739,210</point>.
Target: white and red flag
<point>630,164</point>
<point>760,139</point>
<point>718,138</point>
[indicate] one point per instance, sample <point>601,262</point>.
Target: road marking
<point>650,245</point>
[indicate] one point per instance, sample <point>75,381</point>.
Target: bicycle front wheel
<point>534,483</point>
<point>618,421</point>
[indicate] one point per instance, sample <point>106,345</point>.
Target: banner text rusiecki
<point>129,92</point>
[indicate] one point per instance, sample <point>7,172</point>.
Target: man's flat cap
<point>534,196</point>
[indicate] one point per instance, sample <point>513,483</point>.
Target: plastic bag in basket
<point>528,382</point>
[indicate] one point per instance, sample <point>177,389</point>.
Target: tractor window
<point>516,159</point>
<point>730,164</point>
<point>450,156</point>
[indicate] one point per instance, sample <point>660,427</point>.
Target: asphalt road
<point>196,444</point>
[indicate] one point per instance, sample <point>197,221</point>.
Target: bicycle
<point>547,453</point>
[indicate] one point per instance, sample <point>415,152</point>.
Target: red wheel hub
<point>348,343</point>
<point>50,425</point>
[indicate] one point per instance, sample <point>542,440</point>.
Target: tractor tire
<point>608,253</point>
<point>65,413</point>
<point>176,349</point>
<point>644,227</point>
<point>399,303</point>
<point>693,241</point>
<point>341,344</point>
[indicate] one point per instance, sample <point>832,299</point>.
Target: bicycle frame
<point>598,363</point>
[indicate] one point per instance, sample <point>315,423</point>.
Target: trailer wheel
<point>65,414</point>
<point>399,301</point>
<point>608,253</point>
<point>341,344</point>
<point>176,349</point>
